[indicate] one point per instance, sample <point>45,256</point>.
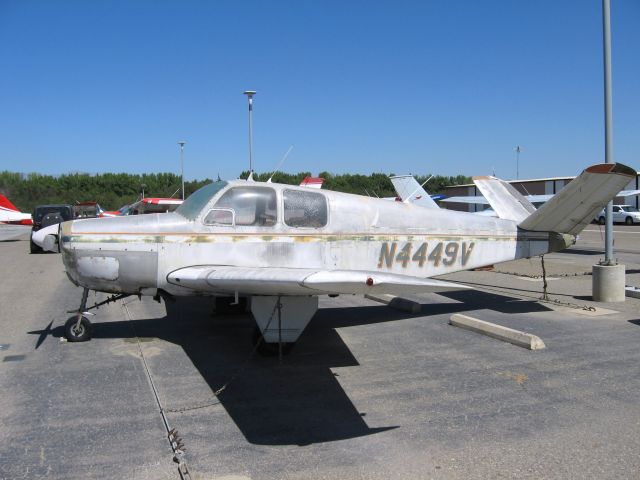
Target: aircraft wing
<point>628,193</point>
<point>301,281</point>
<point>479,199</point>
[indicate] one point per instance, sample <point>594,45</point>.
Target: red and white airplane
<point>312,182</point>
<point>9,213</point>
<point>146,205</point>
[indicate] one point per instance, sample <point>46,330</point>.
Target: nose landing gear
<point>78,327</point>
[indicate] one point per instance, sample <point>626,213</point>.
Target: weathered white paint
<point>99,268</point>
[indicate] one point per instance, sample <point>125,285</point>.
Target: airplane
<point>9,213</point>
<point>535,199</point>
<point>144,206</point>
<point>409,190</point>
<point>312,182</point>
<point>282,246</point>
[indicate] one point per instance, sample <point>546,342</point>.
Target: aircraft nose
<point>105,262</point>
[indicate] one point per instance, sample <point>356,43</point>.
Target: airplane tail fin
<point>505,200</point>
<point>573,208</point>
<point>410,191</point>
<point>312,182</point>
<point>5,204</point>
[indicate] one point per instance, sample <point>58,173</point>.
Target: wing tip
<point>618,168</point>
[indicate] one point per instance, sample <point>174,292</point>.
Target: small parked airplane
<point>9,213</point>
<point>535,199</point>
<point>146,205</point>
<point>284,245</point>
<point>410,191</point>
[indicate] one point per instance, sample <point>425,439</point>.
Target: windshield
<point>630,209</point>
<point>193,205</point>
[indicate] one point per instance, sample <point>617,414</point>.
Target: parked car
<point>45,215</point>
<point>621,214</point>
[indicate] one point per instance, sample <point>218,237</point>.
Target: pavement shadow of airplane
<point>298,402</point>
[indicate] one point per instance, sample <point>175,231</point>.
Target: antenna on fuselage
<point>280,164</point>
<point>406,200</point>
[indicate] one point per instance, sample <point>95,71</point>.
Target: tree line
<point>113,190</point>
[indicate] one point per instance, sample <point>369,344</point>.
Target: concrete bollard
<point>608,283</point>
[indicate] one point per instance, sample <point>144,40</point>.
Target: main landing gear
<point>78,327</point>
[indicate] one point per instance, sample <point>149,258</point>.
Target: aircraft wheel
<point>601,220</point>
<point>270,349</point>
<point>628,221</point>
<point>77,332</point>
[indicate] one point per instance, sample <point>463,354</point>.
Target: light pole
<point>608,126</point>
<point>143,187</point>
<point>250,94</point>
<point>518,149</point>
<point>182,143</point>
<point>608,277</point>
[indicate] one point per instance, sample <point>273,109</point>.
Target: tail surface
<point>5,204</point>
<point>573,208</point>
<point>410,191</point>
<point>505,200</point>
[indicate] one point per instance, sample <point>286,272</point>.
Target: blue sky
<point>448,87</point>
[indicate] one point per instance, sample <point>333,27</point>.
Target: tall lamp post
<point>608,126</point>
<point>518,149</point>
<point>250,94</point>
<point>182,143</point>
<point>608,278</point>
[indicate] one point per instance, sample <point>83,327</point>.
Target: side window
<point>252,206</point>
<point>616,209</point>
<point>304,209</point>
<point>219,216</point>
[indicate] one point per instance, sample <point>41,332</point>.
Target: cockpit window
<point>304,209</point>
<point>254,206</point>
<point>193,205</point>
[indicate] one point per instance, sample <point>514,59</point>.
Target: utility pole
<point>250,94</point>
<point>182,143</point>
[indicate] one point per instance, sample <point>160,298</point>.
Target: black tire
<point>270,349</point>
<point>81,333</point>
<point>33,248</point>
<point>628,221</point>
<point>601,220</point>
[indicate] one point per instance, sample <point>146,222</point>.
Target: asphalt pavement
<point>368,392</point>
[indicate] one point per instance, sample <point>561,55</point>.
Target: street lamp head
<point>182,143</point>
<point>249,93</point>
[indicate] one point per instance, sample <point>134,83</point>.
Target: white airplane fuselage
<point>138,254</point>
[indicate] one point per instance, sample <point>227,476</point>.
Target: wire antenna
<point>280,164</point>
